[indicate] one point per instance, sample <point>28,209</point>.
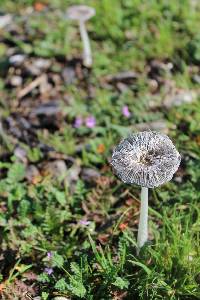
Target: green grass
<point>98,261</point>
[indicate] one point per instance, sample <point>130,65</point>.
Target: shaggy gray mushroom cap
<point>80,12</point>
<point>147,158</point>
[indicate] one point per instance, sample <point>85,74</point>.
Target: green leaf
<point>61,285</point>
<point>43,278</point>
<point>75,268</point>
<point>139,264</point>
<point>121,283</point>
<point>60,196</point>
<point>16,172</point>
<point>57,260</point>
<point>45,295</point>
<point>77,288</point>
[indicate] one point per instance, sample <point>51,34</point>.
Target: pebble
<point>89,175</point>
<point>61,298</point>
<point>179,98</point>
<point>17,59</point>
<point>21,154</point>
<point>69,75</point>
<point>122,76</point>
<point>16,80</point>
<point>48,109</point>
<point>196,78</point>
<point>159,125</point>
<point>42,63</point>
<point>31,173</point>
<point>57,168</point>
<point>5,20</point>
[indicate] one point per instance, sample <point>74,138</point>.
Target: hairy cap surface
<point>148,159</point>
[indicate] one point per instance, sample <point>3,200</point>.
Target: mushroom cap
<point>80,12</point>
<point>147,158</point>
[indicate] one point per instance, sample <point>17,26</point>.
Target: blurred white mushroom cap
<point>80,12</point>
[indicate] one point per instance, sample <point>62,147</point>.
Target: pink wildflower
<point>49,255</point>
<point>84,222</point>
<point>90,122</point>
<point>78,122</point>
<point>49,271</point>
<point>125,111</point>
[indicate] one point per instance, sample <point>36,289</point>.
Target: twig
<point>31,86</point>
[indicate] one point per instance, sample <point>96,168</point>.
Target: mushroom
<point>148,159</point>
<point>82,13</point>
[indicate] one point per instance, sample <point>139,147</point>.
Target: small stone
<point>32,173</point>
<point>69,75</point>
<point>159,125</point>
<point>179,98</point>
<point>17,59</point>
<point>122,76</point>
<point>122,87</point>
<point>196,78</point>
<point>16,80</point>
<point>36,66</point>
<point>56,168</point>
<point>190,258</point>
<point>178,179</point>
<point>61,298</point>
<point>48,109</point>
<point>5,20</point>
<point>73,173</point>
<point>20,153</point>
<point>42,63</point>
<point>153,85</point>
<point>89,175</point>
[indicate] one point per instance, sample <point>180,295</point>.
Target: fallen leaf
<point>123,226</point>
<point>2,287</point>
<point>101,148</point>
<point>38,6</point>
<point>198,140</point>
<point>103,238</point>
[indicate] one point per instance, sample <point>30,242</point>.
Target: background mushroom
<point>148,159</point>
<point>82,13</point>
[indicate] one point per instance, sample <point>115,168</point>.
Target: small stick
<point>143,222</point>
<point>35,83</point>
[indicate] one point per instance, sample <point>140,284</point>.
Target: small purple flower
<point>90,122</point>
<point>49,255</point>
<point>84,222</point>
<point>78,122</point>
<point>125,111</point>
<point>49,271</point>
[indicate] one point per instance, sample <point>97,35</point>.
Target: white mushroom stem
<point>143,222</point>
<point>87,55</point>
